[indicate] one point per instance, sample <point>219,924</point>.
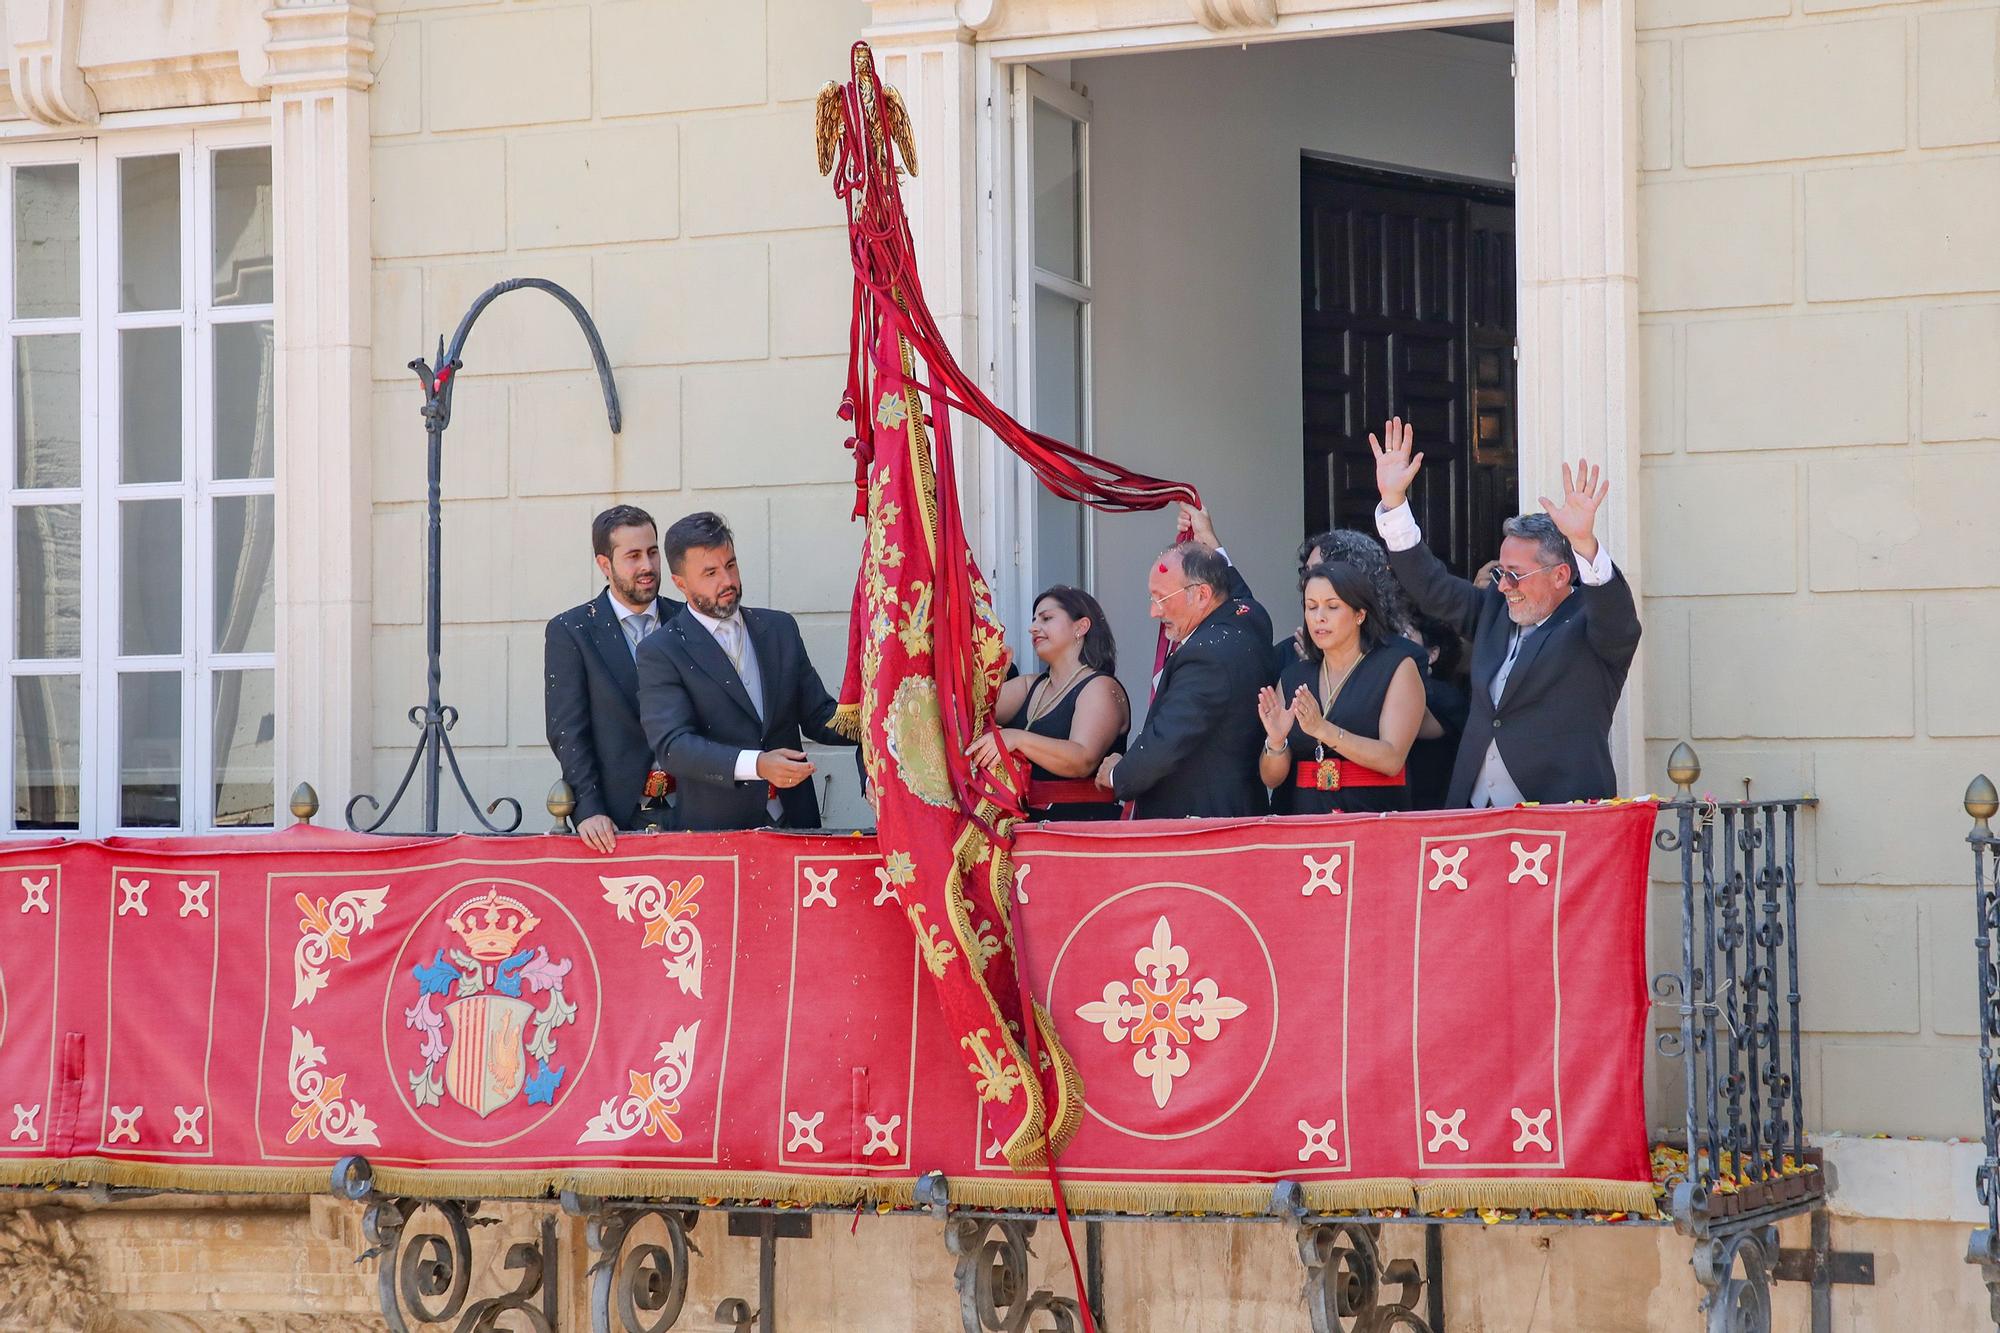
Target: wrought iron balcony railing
<point>1740,1166</point>
<point>1737,991</point>
<point>1982,803</point>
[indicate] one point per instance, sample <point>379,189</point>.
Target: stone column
<point>924,49</point>
<point>1576,134</point>
<point>318,75</point>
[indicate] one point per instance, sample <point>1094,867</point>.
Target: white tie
<point>726,635</point>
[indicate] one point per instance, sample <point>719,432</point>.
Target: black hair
<point>1365,553</point>
<point>1357,590</point>
<point>1439,635</point>
<point>614,518</point>
<point>698,529</point>
<point>1099,650</point>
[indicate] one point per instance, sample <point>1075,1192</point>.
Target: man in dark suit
<point>590,682</point>
<point>1197,754</point>
<point>1552,639</point>
<point>1200,527</point>
<point>725,692</point>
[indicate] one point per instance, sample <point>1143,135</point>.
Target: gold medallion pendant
<point>1327,778</point>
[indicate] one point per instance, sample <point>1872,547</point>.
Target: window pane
<point>48,411</point>
<point>243,398</point>
<point>149,561</point>
<point>149,404</point>
<point>48,581</point>
<point>245,724</point>
<point>1058,192</point>
<point>46,241</point>
<point>149,233</point>
<point>243,226</point>
<point>47,750</point>
<point>244,542</point>
<point>1059,412</point>
<point>149,750</point>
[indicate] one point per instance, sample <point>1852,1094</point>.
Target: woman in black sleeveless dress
<point>1066,719</point>
<point>1339,725</point>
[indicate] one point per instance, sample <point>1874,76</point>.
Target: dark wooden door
<point>1408,292</point>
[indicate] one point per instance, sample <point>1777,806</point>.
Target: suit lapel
<point>706,653</point>
<point>607,635</point>
<point>764,643</point>
<point>1532,647</point>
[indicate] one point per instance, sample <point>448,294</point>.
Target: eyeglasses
<point>1164,598</point>
<point>1507,578</point>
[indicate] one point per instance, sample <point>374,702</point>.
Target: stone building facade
<point>1758,280</point>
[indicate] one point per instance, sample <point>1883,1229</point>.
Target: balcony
<point>1737,1165</point>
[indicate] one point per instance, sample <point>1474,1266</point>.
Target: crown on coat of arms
<point>492,926</point>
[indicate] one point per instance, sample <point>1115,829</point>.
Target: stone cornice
<point>1228,15</point>
<point>42,67</point>
<point>981,15</point>
<point>318,44</point>
<point>951,20</point>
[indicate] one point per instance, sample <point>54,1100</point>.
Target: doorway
<point>1407,309</point>
<point>1147,279</point>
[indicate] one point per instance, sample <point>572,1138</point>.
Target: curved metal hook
<point>451,357</point>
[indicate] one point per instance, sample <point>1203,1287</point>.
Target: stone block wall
<point>655,157</point>
<point>1819,215</point>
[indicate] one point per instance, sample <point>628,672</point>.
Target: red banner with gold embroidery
<point>1418,1010</point>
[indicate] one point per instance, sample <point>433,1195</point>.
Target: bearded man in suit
<point>727,694</point>
<point>590,683</point>
<point>1553,637</point>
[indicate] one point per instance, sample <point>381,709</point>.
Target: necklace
<point>1326,776</point>
<point>1052,696</point>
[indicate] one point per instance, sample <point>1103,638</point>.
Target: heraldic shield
<point>490,1009</point>
<point>488,1060</point>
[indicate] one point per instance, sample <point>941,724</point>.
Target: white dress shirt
<point>743,656</point>
<point>1494,786</point>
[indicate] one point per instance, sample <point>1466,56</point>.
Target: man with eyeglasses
<point>1553,637</point>
<point>1197,753</point>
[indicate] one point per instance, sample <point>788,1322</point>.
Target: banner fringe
<point>168,1176</point>
<point>1564,1195</point>
<point>846,720</point>
<point>1242,1198</point>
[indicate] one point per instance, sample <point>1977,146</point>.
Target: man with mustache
<point>726,692</point>
<point>1552,638</point>
<point>590,683</point>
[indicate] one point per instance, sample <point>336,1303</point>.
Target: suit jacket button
<point>1496,724</point>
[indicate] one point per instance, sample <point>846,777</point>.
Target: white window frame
<point>1030,86</point>
<point>99,324</point>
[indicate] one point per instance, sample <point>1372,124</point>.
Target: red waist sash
<point>1333,773</point>
<point>1066,791</point>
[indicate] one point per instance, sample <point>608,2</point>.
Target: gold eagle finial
<point>830,120</point>
<point>898,117</point>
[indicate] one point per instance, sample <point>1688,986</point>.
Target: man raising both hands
<point>1551,644</point>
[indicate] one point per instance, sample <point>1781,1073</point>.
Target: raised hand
<point>1199,526</point>
<point>1277,718</point>
<point>1583,491</point>
<point>1305,706</point>
<point>1395,466</point>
